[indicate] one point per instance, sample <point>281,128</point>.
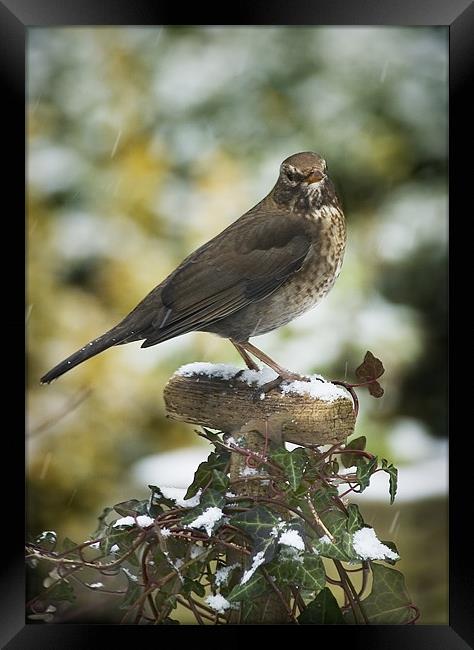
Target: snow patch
<point>257,561</point>
<point>208,519</point>
<point>248,471</point>
<point>218,370</point>
<point>177,495</point>
<point>130,574</point>
<point>322,390</point>
<point>347,470</point>
<point>218,603</point>
<point>222,575</point>
<point>195,551</point>
<point>367,546</point>
<point>142,520</point>
<point>292,538</point>
<point>315,388</point>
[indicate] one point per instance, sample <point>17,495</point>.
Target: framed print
<point>264,207</point>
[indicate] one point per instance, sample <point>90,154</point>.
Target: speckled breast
<point>315,279</point>
<point>303,291</point>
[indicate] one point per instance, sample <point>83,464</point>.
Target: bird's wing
<point>245,263</point>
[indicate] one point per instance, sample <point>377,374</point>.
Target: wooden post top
<point>225,398</point>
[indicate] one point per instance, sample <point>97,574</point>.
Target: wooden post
<point>228,405</point>
<point>233,406</point>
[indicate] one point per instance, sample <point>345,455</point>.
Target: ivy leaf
<point>305,570</point>
<point>323,498</point>
<point>389,601</point>
<point>332,517</point>
<point>164,563</point>
<point>123,539</point>
<point>370,368</point>
<point>392,546</point>
<point>251,609</point>
<point>375,389</point>
<point>165,596</point>
<point>369,371</point>
<point>292,462</point>
<point>393,478</point>
<point>176,547</point>
<point>355,520</point>
<point>349,460</point>
<point>335,521</point>
<point>365,469</point>
<point>256,586</point>
<point>165,601</point>
<point>207,434</point>
<point>198,588</point>
<point>261,525</point>
<point>217,460</point>
<point>210,499</point>
<point>62,591</point>
<point>323,610</point>
<point>339,549</point>
<point>47,540</point>
<point>190,586</point>
<point>220,481</point>
<point>133,593</point>
<point>131,508</point>
<point>102,524</point>
<point>311,574</point>
<point>68,544</point>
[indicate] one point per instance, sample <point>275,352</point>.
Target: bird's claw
<point>261,392</point>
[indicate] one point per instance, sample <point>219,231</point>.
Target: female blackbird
<point>271,265</point>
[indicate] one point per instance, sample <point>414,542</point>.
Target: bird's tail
<point>113,337</point>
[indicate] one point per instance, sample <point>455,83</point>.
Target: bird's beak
<point>314,177</point>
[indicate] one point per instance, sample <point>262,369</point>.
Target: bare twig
<point>69,408</point>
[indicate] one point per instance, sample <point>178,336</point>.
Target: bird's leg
<point>283,373</point>
<point>250,363</point>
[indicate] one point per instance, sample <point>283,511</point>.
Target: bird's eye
<point>291,175</point>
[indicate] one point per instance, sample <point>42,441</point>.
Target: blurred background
<point>143,143</point>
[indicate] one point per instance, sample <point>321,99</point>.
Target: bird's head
<point>303,170</point>
<point>303,176</point>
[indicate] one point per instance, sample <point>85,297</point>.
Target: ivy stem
<point>299,601</point>
<point>194,610</point>
<point>351,592</point>
<point>353,394</point>
<point>280,595</point>
<point>365,577</point>
<point>346,588</point>
<point>187,603</point>
<point>147,581</point>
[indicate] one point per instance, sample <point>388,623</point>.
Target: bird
<point>275,262</point>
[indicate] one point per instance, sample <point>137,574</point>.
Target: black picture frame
<point>16,17</point>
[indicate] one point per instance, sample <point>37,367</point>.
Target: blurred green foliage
<point>145,142</point>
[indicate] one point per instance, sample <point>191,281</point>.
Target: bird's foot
<point>271,385</point>
<point>241,372</point>
<point>261,391</point>
<point>285,375</point>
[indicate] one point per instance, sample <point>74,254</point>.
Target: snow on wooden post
<point>222,397</point>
